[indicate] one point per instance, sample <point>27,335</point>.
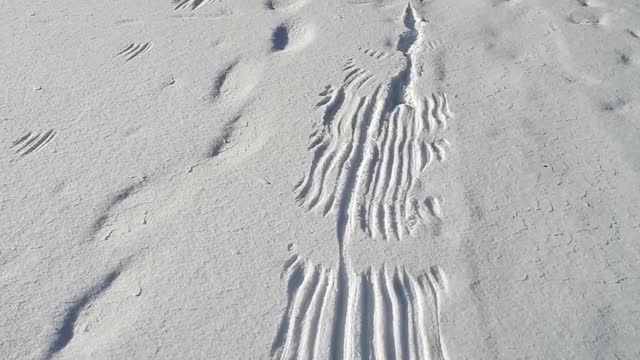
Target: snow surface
<point>306,179</point>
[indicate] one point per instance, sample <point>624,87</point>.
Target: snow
<point>305,179</point>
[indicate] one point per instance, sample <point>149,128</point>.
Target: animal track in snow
<point>291,35</point>
<point>376,54</point>
<point>589,16</point>
<point>434,44</point>
<point>188,4</point>
<point>280,38</point>
<point>133,50</point>
<point>108,212</point>
<point>376,137</point>
<point>387,314</point>
<point>66,330</point>
<point>32,142</point>
<point>594,3</point>
<point>236,80</point>
<point>381,151</point>
<point>238,139</point>
<point>222,142</point>
<point>284,4</point>
<point>615,104</point>
<point>220,80</point>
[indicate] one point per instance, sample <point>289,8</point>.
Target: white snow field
<point>320,179</point>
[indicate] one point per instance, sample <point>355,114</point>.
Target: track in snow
<point>389,314</point>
